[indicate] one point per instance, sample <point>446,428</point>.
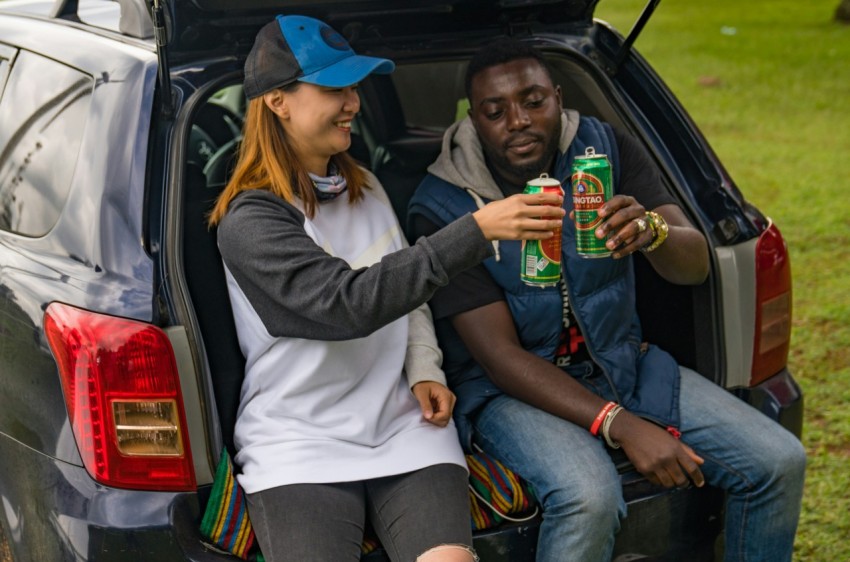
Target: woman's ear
<point>276,101</point>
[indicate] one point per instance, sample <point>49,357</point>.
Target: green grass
<point>768,82</point>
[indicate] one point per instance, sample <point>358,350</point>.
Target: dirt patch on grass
<point>819,347</point>
<point>841,450</point>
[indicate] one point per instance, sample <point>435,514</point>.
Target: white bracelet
<point>606,425</point>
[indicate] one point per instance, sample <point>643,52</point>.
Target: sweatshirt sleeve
<point>423,361</point>
<point>299,290</point>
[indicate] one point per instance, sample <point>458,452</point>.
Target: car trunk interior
<point>397,136</point>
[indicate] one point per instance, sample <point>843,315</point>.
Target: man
<point>507,345</point>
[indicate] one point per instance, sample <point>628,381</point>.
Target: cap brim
<point>348,71</point>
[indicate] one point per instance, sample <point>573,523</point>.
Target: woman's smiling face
<point>317,121</point>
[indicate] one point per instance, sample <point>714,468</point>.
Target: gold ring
<point>641,224</point>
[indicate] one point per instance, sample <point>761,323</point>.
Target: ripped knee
<point>449,553</point>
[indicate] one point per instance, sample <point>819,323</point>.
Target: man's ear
<point>276,101</point>
<point>558,95</point>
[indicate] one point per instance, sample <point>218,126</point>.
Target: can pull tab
<point>589,152</point>
<point>544,175</point>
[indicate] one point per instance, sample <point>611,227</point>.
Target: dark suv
<point>119,366</point>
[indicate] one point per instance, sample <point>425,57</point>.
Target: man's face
<point>516,111</point>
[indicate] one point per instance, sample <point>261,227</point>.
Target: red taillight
<point>773,306</point>
<point>123,396</point>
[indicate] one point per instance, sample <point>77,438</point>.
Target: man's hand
<point>682,259</point>
<point>655,453</point>
<point>436,402</point>
<point>622,227</point>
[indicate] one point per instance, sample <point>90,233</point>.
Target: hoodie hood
<point>461,160</point>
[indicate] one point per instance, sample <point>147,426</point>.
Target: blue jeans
<point>759,464</point>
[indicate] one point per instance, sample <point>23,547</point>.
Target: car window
<point>216,133</point>
<point>432,94</point>
<point>42,118</point>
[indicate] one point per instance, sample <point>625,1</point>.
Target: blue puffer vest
<point>601,292</point>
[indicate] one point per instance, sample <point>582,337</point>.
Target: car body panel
<point>96,264</point>
<point>737,268</point>
<point>122,246</point>
<point>52,510</point>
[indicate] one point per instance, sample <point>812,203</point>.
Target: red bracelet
<point>594,429</point>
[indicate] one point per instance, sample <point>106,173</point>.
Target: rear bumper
<point>779,398</point>
<point>52,510</point>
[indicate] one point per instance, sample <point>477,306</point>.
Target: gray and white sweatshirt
<point>331,318</point>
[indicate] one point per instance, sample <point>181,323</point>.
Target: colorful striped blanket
<point>496,494</point>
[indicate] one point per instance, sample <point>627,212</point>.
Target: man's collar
<point>506,187</point>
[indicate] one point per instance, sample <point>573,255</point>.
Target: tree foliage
<point>842,13</point>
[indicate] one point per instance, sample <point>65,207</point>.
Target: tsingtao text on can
<point>591,188</point>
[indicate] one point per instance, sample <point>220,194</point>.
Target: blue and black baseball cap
<point>298,48</point>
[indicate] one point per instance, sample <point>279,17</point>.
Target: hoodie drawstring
<point>480,204</point>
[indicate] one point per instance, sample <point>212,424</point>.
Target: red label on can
<point>551,248</point>
<point>541,259</point>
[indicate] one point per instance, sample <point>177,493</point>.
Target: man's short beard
<point>500,161</point>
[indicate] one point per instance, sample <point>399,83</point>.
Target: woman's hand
<point>436,401</point>
<point>521,217</point>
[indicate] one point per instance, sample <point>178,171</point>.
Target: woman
<point>344,413</point>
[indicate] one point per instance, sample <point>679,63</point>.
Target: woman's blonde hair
<point>267,161</point>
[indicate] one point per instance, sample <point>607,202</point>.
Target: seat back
<point>208,290</point>
<point>402,165</point>
<point>400,154</point>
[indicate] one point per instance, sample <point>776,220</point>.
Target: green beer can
<point>591,188</point>
<point>541,259</point>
